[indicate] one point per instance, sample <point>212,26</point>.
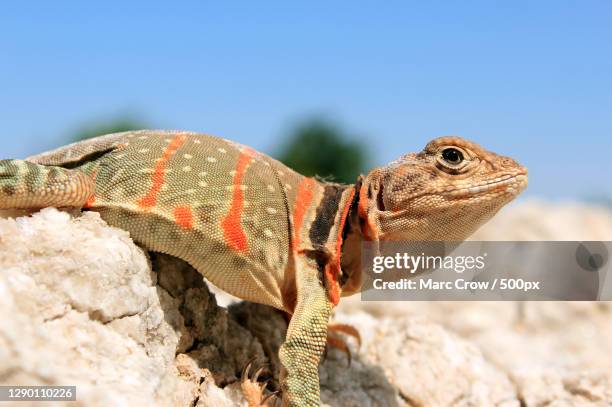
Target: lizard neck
<point>336,234</point>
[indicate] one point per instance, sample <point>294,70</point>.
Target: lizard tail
<point>25,185</point>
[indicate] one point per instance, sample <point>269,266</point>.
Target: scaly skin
<point>259,230</point>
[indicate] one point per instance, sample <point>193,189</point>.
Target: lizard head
<point>445,192</point>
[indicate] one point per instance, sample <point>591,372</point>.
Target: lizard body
<point>259,230</point>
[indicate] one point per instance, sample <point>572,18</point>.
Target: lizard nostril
<point>508,162</point>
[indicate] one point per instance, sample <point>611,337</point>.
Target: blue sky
<point>530,79</point>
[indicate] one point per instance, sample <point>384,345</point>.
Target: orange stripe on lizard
<point>183,216</point>
<point>91,201</point>
<point>368,228</point>
<point>303,199</point>
<point>232,229</point>
<point>159,173</point>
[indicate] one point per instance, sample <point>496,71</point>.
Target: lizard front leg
<point>306,338</point>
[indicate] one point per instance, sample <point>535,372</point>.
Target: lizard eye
<point>452,156</point>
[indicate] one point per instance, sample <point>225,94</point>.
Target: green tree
<point>320,147</point>
<point>101,128</point>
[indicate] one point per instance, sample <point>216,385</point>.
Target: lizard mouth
<point>512,184</point>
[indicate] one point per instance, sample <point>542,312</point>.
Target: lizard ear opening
<point>380,203</point>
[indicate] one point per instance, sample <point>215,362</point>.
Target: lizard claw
<point>270,396</point>
<point>252,390</point>
<point>335,341</point>
<point>345,329</point>
<point>339,343</point>
<point>245,371</point>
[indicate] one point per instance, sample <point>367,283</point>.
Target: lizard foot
<point>335,341</point>
<point>253,391</point>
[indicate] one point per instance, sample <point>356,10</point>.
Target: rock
<point>425,366</point>
<point>85,309</point>
<point>534,219</point>
<point>549,387</point>
<point>84,306</point>
<point>80,308</point>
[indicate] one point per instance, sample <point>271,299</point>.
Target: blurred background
<point>331,89</point>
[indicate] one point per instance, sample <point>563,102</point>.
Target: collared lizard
<point>259,230</point>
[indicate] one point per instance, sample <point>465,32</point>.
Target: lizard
<point>259,230</point>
